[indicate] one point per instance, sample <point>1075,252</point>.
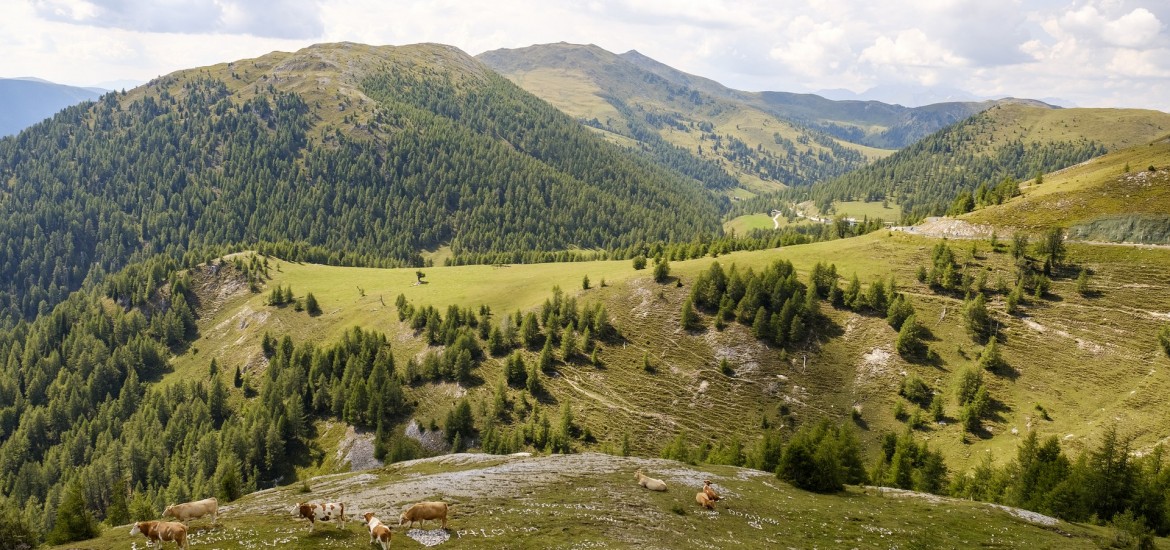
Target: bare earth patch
<point>358,450</point>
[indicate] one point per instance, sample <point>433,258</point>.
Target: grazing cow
<point>379,532</point>
<point>322,511</point>
<point>159,531</point>
<point>649,482</point>
<point>423,511</point>
<point>193,510</point>
<point>709,490</point>
<point>704,500</point>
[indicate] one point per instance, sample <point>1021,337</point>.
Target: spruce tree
<point>74,521</point>
<point>311,305</point>
<point>690,318</point>
<point>662,270</point>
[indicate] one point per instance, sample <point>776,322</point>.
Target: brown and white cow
<point>193,510</point>
<point>160,531</point>
<point>321,511</point>
<point>379,532</point>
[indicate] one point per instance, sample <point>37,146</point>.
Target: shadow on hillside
<point>1007,371</point>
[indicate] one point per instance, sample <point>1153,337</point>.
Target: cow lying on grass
<point>321,511</point>
<point>160,531</point>
<point>193,510</point>
<point>423,511</point>
<point>649,482</point>
<point>704,500</point>
<point>379,532</point>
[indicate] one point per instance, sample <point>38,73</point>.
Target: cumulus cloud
<point>264,18</point>
<point>1136,29</point>
<point>814,48</point>
<point>913,48</point>
<point>1092,52</point>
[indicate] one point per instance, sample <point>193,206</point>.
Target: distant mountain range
<point>765,140</point>
<point>918,96</point>
<point>27,101</point>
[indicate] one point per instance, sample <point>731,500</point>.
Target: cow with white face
<point>162,531</point>
<point>379,532</point>
<point>321,511</point>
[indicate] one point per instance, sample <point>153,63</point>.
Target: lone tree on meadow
<point>1051,245</point>
<point>662,270</point>
<point>311,305</point>
<point>910,343</point>
<point>420,276</point>
<point>977,318</point>
<point>690,318</point>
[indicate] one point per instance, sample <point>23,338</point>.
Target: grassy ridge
<point>1009,140</point>
<point>1117,186</point>
<point>591,501</point>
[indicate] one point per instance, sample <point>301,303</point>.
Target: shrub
<point>916,391</point>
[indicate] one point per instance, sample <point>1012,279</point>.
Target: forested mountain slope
<point>992,151</point>
<point>351,153</point>
<point>680,120</point>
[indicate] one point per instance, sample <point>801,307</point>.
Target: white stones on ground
<point>433,537</point>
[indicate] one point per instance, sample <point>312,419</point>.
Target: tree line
<point>190,167</point>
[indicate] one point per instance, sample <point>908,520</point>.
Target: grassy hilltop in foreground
<point>592,501</point>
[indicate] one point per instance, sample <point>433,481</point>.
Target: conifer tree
<point>909,343</point>
<point>690,318</point>
<point>311,305</point>
<point>530,330</point>
<point>662,270</point>
<point>74,520</point>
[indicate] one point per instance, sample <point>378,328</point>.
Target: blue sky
<point>1092,53</point>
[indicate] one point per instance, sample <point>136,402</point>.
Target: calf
<point>193,510</point>
<point>159,531</point>
<point>709,490</point>
<point>379,532</point>
<point>321,511</point>
<point>423,511</point>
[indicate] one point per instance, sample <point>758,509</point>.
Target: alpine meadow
<point>558,297</point>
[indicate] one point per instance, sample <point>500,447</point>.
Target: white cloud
<point>1093,52</point>
<point>1140,27</point>
<point>1135,29</point>
<point>268,18</point>
<point>1141,64</point>
<point>911,48</point>
<point>814,49</point>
